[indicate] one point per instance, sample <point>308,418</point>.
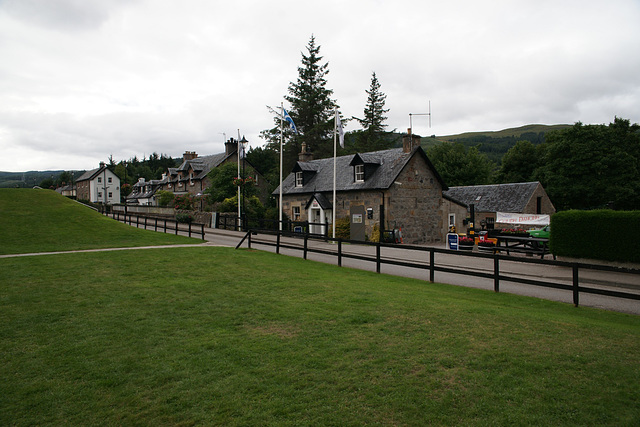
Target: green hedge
<point>599,234</point>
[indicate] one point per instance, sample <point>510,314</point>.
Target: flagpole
<point>335,152</point>
<point>238,151</point>
<point>281,131</point>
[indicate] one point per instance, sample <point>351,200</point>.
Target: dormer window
<point>359,170</point>
<point>299,181</point>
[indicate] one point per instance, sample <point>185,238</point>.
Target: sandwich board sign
<point>452,241</point>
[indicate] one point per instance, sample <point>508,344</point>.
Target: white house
<point>99,186</point>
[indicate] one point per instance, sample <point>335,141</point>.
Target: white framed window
<point>359,173</point>
<point>295,213</point>
<point>299,179</point>
<point>110,195</point>
<point>109,180</point>
<point>452,220</point>
<point>99,195</point>
<point>99,180</point>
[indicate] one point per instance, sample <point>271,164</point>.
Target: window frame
<point>299,179</point>
<point>358,173</point>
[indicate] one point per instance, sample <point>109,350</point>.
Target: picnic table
<point>528,245</point>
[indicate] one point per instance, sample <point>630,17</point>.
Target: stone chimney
<point>305,155</point>
<point>189,155</point>
<point>410,141</point>
<point>101,164</point>
<point>231,146</point>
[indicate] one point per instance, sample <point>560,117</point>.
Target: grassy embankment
<point>44,221</point>
<point>216,336</point>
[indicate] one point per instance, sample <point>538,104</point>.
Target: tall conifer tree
<point>311,108</point>
<point>372,138</point>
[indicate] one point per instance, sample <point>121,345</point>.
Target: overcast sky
<point>81,80</point>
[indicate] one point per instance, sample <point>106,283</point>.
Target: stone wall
<point>415,204</point>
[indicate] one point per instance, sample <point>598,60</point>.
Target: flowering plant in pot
<point>468,241</point>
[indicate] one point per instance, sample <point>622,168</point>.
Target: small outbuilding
<point>487,200</point>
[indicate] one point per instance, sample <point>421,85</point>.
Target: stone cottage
<point>393,189</point>
<point>487,200</point>
<point>191,177</point>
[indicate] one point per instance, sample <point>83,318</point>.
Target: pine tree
<point>372,138</point>
<point>311,108</point>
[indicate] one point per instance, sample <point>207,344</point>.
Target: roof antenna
<point>411,122</point>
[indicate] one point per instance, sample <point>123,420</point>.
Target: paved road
<point>556,274</point>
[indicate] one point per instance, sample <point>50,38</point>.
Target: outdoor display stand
<point>452,241</point>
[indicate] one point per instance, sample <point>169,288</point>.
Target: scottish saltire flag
<point>288,118</point>
<point>339,127</point>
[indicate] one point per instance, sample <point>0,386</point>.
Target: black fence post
<point>306,243</point>
<point>496,274</point>
<point>278,243</point>
<point>249,241</point>
<point>378,257</point>
<point>202,229</point>
<point>339,252</point>
<point>165,226</point>
<point>576,291</point>
<point>432,265</point>
<point>189,229</point>
<point>176,228</point>
<point>155,227</point>
<point>137,221</point>
<point>145,222</point>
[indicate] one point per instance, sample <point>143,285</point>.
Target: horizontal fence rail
<point>165,225</point>
<point>428,263</point>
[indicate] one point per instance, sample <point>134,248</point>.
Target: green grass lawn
<point>44,221</point>
<point>215,336</point>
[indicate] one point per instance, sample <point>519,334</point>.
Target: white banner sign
<point>523,219</point>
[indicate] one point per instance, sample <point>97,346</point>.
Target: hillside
<point>505,133</point>
<point>45,221</point>
<point>496,143</point>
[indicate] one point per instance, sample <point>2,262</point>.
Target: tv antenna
<point>419,114</point>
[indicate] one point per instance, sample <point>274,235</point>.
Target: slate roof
<point>390,164</point>
<point>495,198</point>
<point>88,175</point>
<point>200,165</point>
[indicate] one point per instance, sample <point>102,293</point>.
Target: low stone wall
<point>161,212</point>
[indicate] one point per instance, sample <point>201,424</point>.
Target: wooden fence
<point>430,264</point>
<point>165,225</point>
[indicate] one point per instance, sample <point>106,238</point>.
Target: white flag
<point>339,127</point>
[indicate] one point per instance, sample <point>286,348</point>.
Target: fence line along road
<point>604,287</point>
<point>601,286</point>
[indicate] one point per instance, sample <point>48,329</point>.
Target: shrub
<point>375,233</point>
<point>184,202</point>
<point>598,234</point>
<point>165,198</point>
<point>343,228</point>
<point>184,218</point>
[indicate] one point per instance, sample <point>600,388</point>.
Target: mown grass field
<point>216,336</point>
<point>44,221</point>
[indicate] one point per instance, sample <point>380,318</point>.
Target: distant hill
<point>505,133</point>
<point>496,143</point>
<point>25,179</point>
